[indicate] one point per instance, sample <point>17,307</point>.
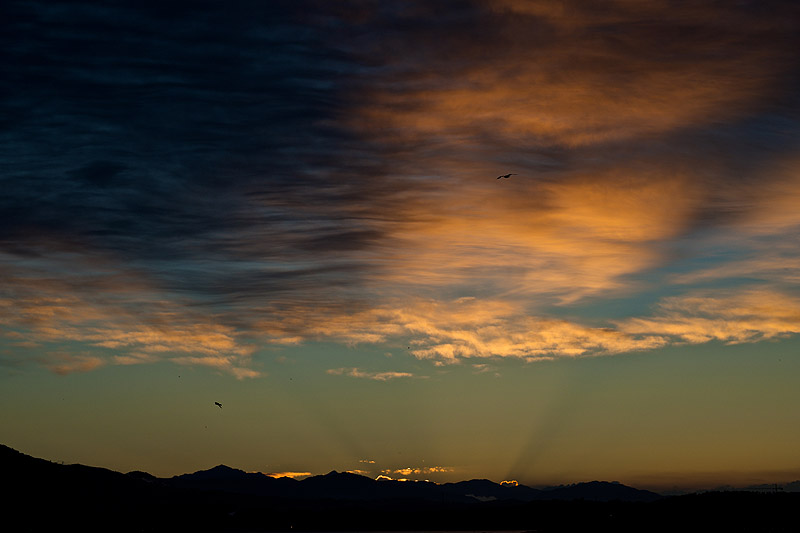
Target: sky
<point>292,208</point>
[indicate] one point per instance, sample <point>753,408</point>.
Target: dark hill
<point>485,490</point>
<point>224,478</point>
<point>143,476</point>
<point>341,485</point>
<point>348,486</point>
<point>600,491</point>
<point>46,496</point>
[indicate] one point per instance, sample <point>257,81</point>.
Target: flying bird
<point>218,404</point>
<point>506,176</point>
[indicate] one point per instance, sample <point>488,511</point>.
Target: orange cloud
<point>746,316</point>
<point>138,328</point>
<point>759,241</point>
<point>448,332</point>
<point>63,363</point>
<point>570,74</point>
<point>376,376</point>
<point>408,471</point>
<point>583,236</point>
<point>470,328</point>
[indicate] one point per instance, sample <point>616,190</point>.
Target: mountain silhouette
<point>43,496</point>
<point>349,486</point>
<point>601,491</point>
<point>485,490</point>
<point>225,478</point>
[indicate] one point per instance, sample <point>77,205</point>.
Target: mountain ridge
<point>349,485</point>
<point>46,495</point>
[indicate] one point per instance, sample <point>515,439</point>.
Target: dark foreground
<point>45,496</point>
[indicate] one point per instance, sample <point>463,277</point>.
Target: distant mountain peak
<point>334,475</point>
<point>144,476</point>
<point>601,491</point>
<point>225,468</point>
<point>219,472</point>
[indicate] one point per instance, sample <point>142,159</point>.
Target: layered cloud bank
<point>271,174</point>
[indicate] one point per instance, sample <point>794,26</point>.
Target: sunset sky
<point>292,208</point>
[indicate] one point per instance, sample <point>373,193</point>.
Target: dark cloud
<point>98,173</point>
<point>190,131</point>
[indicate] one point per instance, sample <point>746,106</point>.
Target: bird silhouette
<point>218,404</point>
<point>506,176</point>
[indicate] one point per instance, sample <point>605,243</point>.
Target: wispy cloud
<point>745,316</point>
<point>375,376</point>
<point>475,329</point>
<point>63,363</point>
<point>571,74</point>
<point>416,471</point>
<point>124,327</point>
<point>470,328</point>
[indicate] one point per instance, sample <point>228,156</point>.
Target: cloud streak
<point>375,376</point>
<point>125,324</point>
<point>748,316</point>
<point>571,75</point>
<point>470,328</point>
